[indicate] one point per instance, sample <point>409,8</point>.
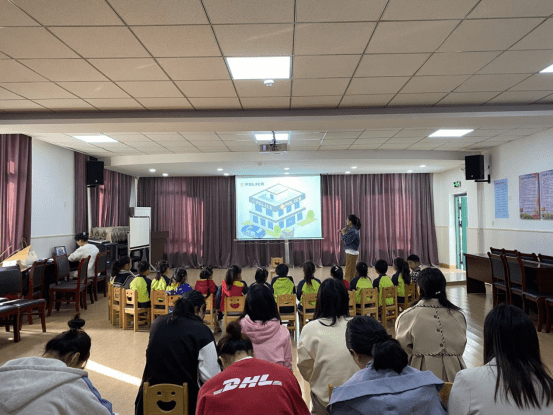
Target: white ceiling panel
<point>364,146</point>
<point>20,105</point>
<point>359,101</point>
<point>380,85</point>
<point>467,98</point>
<point>438,83</point>
<point>178,41</point>
<point>64,69</point>
<point>410,37</point>
<point>332,38</point>
<point>414,132</point>
<point>130,69</point>
<point>483,83</point>
<point>327,66</point>
<point>488,34</point>
<point>165,103</point>
<point>520,61</point>
<point>416,99</point>
<point>5,94</point>
<point>195,69</point>
<point>38,90</point>
<point>519,97</point>
<point>396,146</point>
<point>207,89</point>
<point>32,42</point>
<point>65,104</point>
<point>428,10</point>
<point>250,11</point>
<point>255,39</point>
<point>114,104</point>
<point>512,8</point>
<point>190,136</point>
<point>70,12</point>
<point>335,147</point>
<point>339,11</point>
<point>94,89</point>
<point>339,135</point>
<point>215,103</point>
<point>312,87</point>
<point>10,15</point>
<point>260,103</point>
<point>127,138</point>
<point>538,82</point>
<point>316,102</point>
<point>401,64</point>
<point>166,12</point>
<point>539,39</point>
<point>151,89</point>
<point>451,63</point>
<point>379,133</point>
<point>256,88</point>
<point>12,71</point>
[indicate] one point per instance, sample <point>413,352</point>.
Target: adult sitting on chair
<point>85,249</point>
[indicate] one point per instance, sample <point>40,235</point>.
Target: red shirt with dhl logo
<point>252,386</point>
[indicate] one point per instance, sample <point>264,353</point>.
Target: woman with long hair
<point>323,357</point>
<point>181,349</point>
<point>385,383</point>
<point>350,237</point>
<point>514,379</point>
<point>433,331</point>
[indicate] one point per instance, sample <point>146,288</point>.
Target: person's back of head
<point>337,272</point>
<point>143,268</point>
<point>206,273</point>
<point>191,305</point>
<point>281,270</point>
<point>81,237</point>
<point>233,274</point>
<point>71,347</point>
<point>260,304</point>
<point>119,265</point>
<point>362,269</point>
<point>180,276</point>
<point>403,268</point>
<point>511,339</point>
<point>381,267</point>
<point>232,343</point>
<point>308,271</point>
<point>432,284</point>
<point>332,301</point>
<point>355,221</point>
<point>367,337</point>
<point>261,275</point>
<point>161,268</point>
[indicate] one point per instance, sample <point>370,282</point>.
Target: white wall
<point>53,208</point>
<point>527,155</point>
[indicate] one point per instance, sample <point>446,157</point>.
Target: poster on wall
<point>546,194</point>
<point>529,196</point>
<point>501,191</point>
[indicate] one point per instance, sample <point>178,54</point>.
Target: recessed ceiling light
<point>353,167</point>
<point>549,69</point>
<point>165,174</point>
<point>287,168</point>
<point>225,174</point>
<point>152,170</point>
<point>450,133</point>
<point>95,138</point>
<point>260,68</point>
<point>422,165</point>
<point>269,137</point>
<point>219,169</point>
<point>286,173</point>
<point>409,171</point>
<point>348,172</point>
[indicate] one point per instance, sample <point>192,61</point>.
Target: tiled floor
<point>118,356</point>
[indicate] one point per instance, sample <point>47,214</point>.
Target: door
<point>461,222</point>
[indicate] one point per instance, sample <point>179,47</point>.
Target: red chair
<point>499,278</point>
<point>36,283</point>
<point>71,291</point>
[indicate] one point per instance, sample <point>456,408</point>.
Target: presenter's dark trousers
<point>351,262</point>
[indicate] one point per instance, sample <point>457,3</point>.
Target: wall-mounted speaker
<point>94,173</point>
<point>474,167</point>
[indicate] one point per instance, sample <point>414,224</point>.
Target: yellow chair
<point>158,302</point>
<point>110,300</point>
<point>274,262</point>
<point>117,304</point>
<point>410,297</point>
<point>288,300</point>
<point>140,315</point>
<point>210,314</point>
<point>389,312</point>
<point>165,393</point>
<point>444,392</point>
<point>352,310</point>
<point>369,302</point>
<point>170,301</point>
<point>308,303</point>
<point>234,307</point>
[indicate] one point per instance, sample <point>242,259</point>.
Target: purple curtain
<point>199,213</point>
<point>81,205</point>
<point>113,199</point>
<point>15,191</point>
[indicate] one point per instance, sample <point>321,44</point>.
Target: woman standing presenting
<point>350,236</point>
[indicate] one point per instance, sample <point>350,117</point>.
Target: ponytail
<point>232,275</point>
<point>234,340</point>
<point>337,272</point>
<point>355,221</point>
<point>119,265</point>
<point>205,273</point>
<point>75,340</point>
<point>403,268</point>
<point>366,336</point>
<point>432,284</point>
<point>309,272</point>
<point>362,269</point>
<point>180,276</point>
<point>161,268</point>
<point>261,275</point>
<point>185,307</point>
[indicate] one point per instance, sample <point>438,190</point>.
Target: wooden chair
<point>62,268</point>
<point>288,300</point>
<point>117,305</point>
<point>140,315</point>
<point>507,252</point>
<point>71,291</point>
<point>389,312</point>
<point>100,273</point>
<point>410,297</point>
<point>528,290</point>
<point>352,304</point>
<point>170,302</point>
<point>528,257</point>
<point>308,303</point>
<point>36,283</point>
<point>210,314</point>
<point>165,393</point>
<point>234,307</point>
<point>548,310</point>
<point>9,316</point>
<point>499,278</point>
<point>514,273</point>
<point>158,301</point>
<point>546,259</point>
<point>369,302</point>
<point>496,251</point>
<point>274,262</point>
<point>110,300</point>
<point>444,392</point>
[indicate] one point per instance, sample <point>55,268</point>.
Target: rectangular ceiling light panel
<point>549,69</point>
<point>450,133</point>
<point>268,137</point>
<point>95,138</point>
<point>260,68</point>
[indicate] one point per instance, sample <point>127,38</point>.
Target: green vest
<point>400,286</point>
<point>361,284</point>
<point>310,289</point>
<point>283,285</point>
<point>384,282</point>
<point>159,285</point>
<point>139,284</point>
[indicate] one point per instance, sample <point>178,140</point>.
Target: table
<point>478,272</point>
<point>540,273</point>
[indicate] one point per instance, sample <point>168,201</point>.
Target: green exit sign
<point>456,184</point>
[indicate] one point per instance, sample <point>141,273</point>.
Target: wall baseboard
<point>442,265</point>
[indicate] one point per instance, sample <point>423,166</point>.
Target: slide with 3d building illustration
<point>278,207</point>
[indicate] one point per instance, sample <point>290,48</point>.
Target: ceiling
<point>74,66</point>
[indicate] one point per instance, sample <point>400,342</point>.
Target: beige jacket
<point>473,393</point>
<point>323,356</point>
<point>434,337</point>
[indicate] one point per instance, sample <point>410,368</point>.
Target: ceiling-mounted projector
<point>273,148</point>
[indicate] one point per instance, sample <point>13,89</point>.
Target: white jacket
<point>83,252</point>
<point>37,386</point>
<point>323,356</point>
<point>473,393</point>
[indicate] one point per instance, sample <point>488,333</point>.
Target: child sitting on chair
<point>361,281</point>
<point>142,285</point>
<point>337,272</point>
<point>161,280</point>
<point>283,284</point>
<point>232,286</point>
<point>401,278</point>
<point>207,287</point>
<point>415,266</point>
<point>382,281</point>
<point>179,286</point>
<point>261,276</point>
